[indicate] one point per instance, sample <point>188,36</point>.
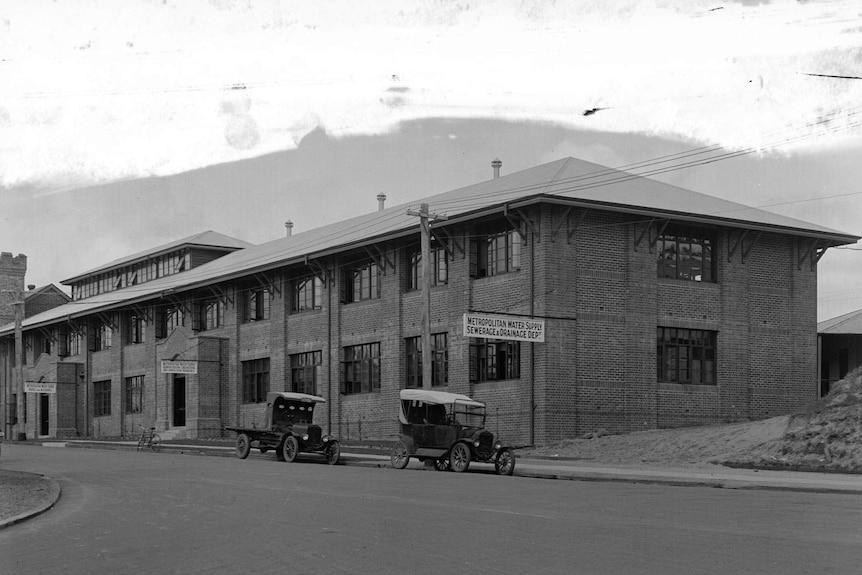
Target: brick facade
<point>590,273</point>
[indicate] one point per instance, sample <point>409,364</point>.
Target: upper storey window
<point>686,253</point>
<point>498,251</point>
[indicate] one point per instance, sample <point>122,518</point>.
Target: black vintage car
<point>288,429</point>
<point>448,428</point>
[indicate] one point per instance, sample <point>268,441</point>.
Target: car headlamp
<point>476,443</point>
<point>497,446</point>
<point>305,437</point>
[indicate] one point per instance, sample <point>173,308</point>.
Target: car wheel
<point>290,449</point>
<point>459,457</point>
<point>243,446</point>
<point>333,453</point>
<point>504,463</point>
<point>442,464</point>
<point>400,457</point>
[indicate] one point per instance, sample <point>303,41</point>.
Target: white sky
<point>101,92</point>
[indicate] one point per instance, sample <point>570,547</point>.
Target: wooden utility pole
<point>19,362</point>
<point>427,359</point>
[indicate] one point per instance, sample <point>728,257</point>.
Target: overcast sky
<point>128,124</point>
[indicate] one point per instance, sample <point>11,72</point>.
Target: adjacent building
<point>658,307</point>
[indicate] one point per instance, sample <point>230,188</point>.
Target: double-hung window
<point>101,398</point>
<point>135,394</point>
<point>255,380</point>
<point>686,356</point>
<point>439,365</point>
<point>305,371</point>
<point>361,368</point>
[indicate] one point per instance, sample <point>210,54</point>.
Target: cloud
<point>104,93</point>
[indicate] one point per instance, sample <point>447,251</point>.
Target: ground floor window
<point>439,357</point>
<point>101,398</point>
<point>495,359</point>
<point>361,368</point>
<point>135,394</point>
<point>255,380</point>
<point>686,355</point>
<point>304,371</point>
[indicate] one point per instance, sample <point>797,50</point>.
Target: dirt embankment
<point>827,436</point>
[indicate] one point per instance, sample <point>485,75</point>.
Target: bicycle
<point>149,439</point>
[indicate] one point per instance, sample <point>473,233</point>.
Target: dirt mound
<point>826,437</point>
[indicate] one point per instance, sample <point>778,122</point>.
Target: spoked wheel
<point>400,457</point>
<point>290,449</point>
<point>333,453</point>
<point>459,457</point>
<point>442,464</point>
<point>504,463</point>
<point>156,442</point>
<point>243,446</point>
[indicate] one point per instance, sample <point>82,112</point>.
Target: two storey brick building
<point>662,307</point>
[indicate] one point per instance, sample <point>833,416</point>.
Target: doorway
<point>44,414</point>
<point>179,419</point>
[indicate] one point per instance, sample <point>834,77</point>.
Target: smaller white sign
<point>40,387</point>
<point>169,366</point>
<point>504,327</point>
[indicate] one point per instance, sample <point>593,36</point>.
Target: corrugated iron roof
<point>568,180</point>
<point>847,324</point>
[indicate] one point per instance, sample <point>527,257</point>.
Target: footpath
<point>40,493</point>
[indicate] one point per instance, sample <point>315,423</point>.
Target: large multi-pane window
<point>496,253</point>
<point>135,394</point>
<point>361,368</point>
<point>101,398</point>
<point>439,365</point>
<point>137,329</point>
<point>211,314</point>
<point>255,304</point>
<point>686,355</point>
<point>103,336</point>
<point>255,380</point>
<point>686,253</point>
<point>305,371</point>
<point>495,359</point>
<point>306,294</point>
<point>439,269</point>
<point>362,282</point>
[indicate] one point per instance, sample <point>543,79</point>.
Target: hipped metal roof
<point>847,324</point>
<point>568,182</point>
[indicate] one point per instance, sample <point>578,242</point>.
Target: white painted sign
<point>504,327</point>
<point>40,387</point>
<point>169,366</point>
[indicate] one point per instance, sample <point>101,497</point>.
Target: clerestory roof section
<point>203,240</point>
<point>568,181</point>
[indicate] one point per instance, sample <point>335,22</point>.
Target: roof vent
<point>381,199</point>
<point>288,227</point>
<point>496,164</point>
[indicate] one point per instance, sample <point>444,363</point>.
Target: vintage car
<point>449,429</point>
<point>288,429</point>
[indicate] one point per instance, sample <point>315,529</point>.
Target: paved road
<point>127,512</point>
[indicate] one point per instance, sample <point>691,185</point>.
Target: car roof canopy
<point>439,397</point>
<point>289,395</point>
